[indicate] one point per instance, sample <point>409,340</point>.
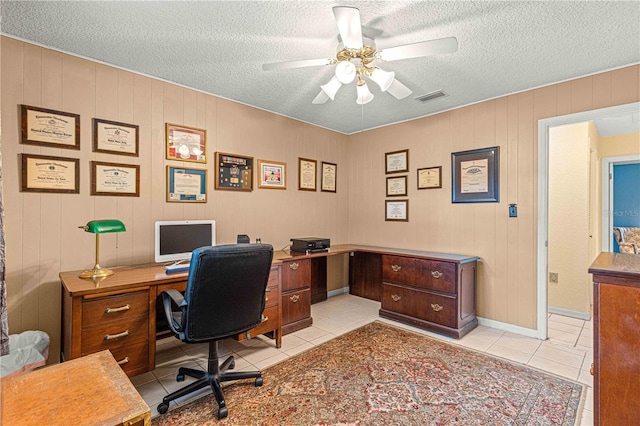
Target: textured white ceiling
<point>219,47</point>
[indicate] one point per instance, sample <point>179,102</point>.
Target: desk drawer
<point>429,274</point>
<point>133,359</point>
<point>296,306</point>
<point>296,274</point>
<point>271,323</point>
<point>419,304</point>
<point>111,335</point>
<point>118,308</point>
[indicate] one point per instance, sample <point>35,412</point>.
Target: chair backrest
<point>225,292</point>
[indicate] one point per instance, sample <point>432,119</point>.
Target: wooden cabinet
<point>296,295</point>
<point>616,338</point>
<point>437,293</point>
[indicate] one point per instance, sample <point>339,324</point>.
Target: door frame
<point>543,197</point>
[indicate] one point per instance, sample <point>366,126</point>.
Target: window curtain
<point>4,325</point>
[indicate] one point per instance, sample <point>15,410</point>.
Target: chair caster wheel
<point>163,408</point>
<point>232,365</point>
<point>180,377</point>
<point>258,381</point>
<point>222,413</point>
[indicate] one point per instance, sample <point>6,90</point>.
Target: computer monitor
<point>176,239</point>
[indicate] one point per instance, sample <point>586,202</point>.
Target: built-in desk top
<point>154,273</point>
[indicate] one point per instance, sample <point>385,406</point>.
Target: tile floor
<point>568,352</point>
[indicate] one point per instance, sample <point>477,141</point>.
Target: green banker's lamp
<point>100,227</point>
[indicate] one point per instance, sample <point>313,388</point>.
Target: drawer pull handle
<point>395,297</point>
<point>436,274</point>
<point>123,361</point>
<point>294,298</point>
<point>396,268</point>
<point>436,307</point>
<point>591,369</point>
<point>120,309</point>
<point>265,319</point>
<point>267,290</point>
<point>115,336</point>
<point>294,266</point>
<point>266,298</point>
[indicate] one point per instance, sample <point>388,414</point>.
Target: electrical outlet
<point>553,277</point>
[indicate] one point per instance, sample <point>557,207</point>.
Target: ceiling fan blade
<point>399,90</point>
<point>422,48</point>
<point>321,98</point>
<point>348,20</point>
<point>297,64</point>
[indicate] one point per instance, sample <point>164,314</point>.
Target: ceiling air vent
<point>431,96</point>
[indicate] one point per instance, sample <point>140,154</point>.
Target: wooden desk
<point>92,390</point>
<point>119,312</point>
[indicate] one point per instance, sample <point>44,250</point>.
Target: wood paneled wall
<point>42,229</point>
<point>507,247</point>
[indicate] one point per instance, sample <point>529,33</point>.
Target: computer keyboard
<point>174,268</point>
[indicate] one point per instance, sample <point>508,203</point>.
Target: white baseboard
<point>529,332</point>
<point>338,291</point>
<point>569,313</point>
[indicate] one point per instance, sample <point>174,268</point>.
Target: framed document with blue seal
<point>186,185</point>
<point>475,176</point>
<point>234,172</point>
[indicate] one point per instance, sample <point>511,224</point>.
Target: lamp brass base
<point>96,272</point>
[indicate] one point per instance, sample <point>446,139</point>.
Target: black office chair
<point>225,296</point>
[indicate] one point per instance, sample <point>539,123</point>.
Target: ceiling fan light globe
<point>345,72</point>
<point>383,78</point>
<point>364,95</point>
<point>332,87</point>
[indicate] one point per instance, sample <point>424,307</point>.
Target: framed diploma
<point>396,210</point>
<point>115,179</point>
<point>272,174</point>
<point>328,183</point>
<point>42,173</point>
<point>306,174</point>
<point>186,185</point>
<point>234,172</point>
<point>47,127</point>
<point>112,137</point>
<point>430,178</point>
<point>397,161</point>
<point>186,143</point>
<point>396,186</point>
<point>475,176</point>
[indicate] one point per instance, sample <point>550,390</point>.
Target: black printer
<point>310,244</point>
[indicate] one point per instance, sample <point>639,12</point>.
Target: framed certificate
<point>475,176</point>
<point>430,178</point>
<point>396,186</point>
<point>112,137</point>
<point>115,179</point>
<point>234,172</point>
<point>328,183</point>
<point>272,174</point>
<point>186,143</point>
<point>47,127</point>
<point>396,210</point>
<point>42,173</point>
<point>307,174</point>
<point>396,161</point>
<point>186,185</point>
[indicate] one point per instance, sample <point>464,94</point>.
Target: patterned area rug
<point>383,375</point>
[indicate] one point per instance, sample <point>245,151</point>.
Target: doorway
<point>543,196</point>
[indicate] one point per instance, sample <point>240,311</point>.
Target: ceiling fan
<point>356,57</point>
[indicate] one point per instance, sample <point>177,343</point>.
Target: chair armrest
<point>169,298</point>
